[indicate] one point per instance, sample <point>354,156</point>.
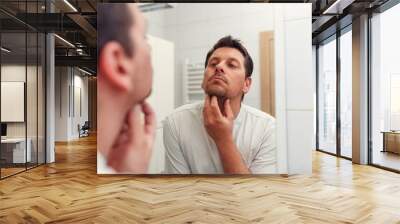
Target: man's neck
<point>110,119</point>
<point>235,105</point>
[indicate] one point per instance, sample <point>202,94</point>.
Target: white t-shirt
<point>102,167</point>
<point>190,150</point>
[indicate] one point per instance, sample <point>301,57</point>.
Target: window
<point>346,94</point>
<point>327,97</point>
<point>385,89</point>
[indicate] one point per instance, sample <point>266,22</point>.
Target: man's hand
<point>132,151</point>
<point>219,125</point>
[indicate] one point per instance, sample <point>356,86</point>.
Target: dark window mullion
<point>37,91</point>
<point>369,90</point>
<point>317,95</point>
<point>26,87</point>
<point>338,91</point>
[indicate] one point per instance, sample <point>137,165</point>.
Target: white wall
<point>295,84</point>
<point>196,27</point>
<point>66,121</point>
<point>17,73</point>
<point>156,23</point>
<point>314,74</point>
<point>61,103</point>
<point>81,83</point>
<point>11,74</point>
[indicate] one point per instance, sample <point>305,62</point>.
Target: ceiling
<point>75,21</point>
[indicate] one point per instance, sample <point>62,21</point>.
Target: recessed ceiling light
<point>64,40</point>
<point>5,50</point>
<point>70,5</point>
<point>86,72</point>
<point>337,7</point>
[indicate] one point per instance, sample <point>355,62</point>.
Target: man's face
<point>225,74</point>
<point>141,57</point>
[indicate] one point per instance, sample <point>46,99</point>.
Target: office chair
<point>84,130</point>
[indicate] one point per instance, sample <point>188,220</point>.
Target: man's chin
<point>217,93</point>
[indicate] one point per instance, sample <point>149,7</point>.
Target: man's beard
<point>220,93</point>
<point>214,90</point>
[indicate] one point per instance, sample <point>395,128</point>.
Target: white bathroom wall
<point>162,98</point>
<point>196,27</point>
<point>156,23</point>
<point>297,77</point>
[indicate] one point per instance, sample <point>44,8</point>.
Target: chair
<point>84,130</point>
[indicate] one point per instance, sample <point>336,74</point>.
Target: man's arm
<point>265,161</point>
<point>175,162</point>
<point>231,158</point>
<point>220,127</point>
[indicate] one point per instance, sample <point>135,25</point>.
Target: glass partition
<point>14,151</point>
<point>22,77</point>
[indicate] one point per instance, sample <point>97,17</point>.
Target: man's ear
<point>246,85</point>
<point>116,67</point>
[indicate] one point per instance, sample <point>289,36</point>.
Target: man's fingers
<point>149,118</point>
<point>228,109</point>
<point>116,156</point>
<point>119,148</point>
<point>206,107</point>
<point>207,102</point>
<point>214,107</point>
<point>134,122</point>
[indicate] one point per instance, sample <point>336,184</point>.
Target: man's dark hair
<point>114,23</point>
<point>228,41</point>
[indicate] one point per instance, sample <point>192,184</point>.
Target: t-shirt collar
<point>238,119</point>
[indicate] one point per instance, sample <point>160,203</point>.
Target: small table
<point>391,141</point>
<point>13,150</point>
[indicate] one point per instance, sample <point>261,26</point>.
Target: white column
<point>360,90</point>
<point>50,91</point>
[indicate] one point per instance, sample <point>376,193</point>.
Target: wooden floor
<point>70,191</point>
<point>10,171</point>
<point>5,172</point>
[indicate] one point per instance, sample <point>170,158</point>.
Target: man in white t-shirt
<point>221,135</point>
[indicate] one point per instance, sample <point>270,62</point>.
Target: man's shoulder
<point>188,107</point>
<point>186,110</point>
<point>257,114</point>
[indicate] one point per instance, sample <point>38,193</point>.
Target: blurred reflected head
<point>109,15</point>
<point>124,65</point>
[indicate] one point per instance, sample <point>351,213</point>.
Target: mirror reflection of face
<point>141,56</point>
<point>225,73</point>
